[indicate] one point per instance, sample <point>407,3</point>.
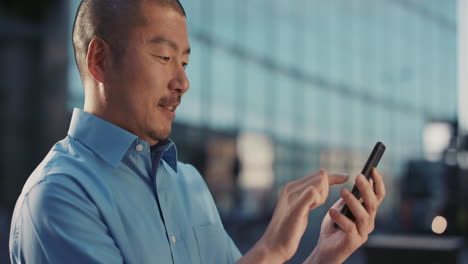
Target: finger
<point>337,179</point>
<point>367,194</point>
<point>379,184</point>
<point>357,209</point>
<point>319,180</point>
<point>312,178</point>
<point>338,205</point>
<point>330,180</point>
<point>310,198</point>
<point>342,221</point>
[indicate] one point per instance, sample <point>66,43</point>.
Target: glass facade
<point>325,74</point>
<point>324,80</point>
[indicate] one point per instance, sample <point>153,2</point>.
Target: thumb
<point>337,179</point>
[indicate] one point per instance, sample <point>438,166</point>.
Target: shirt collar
<point>109,141</point>
<point>168,152</point>
<point>170,155</point>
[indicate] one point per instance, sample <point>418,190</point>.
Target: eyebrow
<point>165,41</point>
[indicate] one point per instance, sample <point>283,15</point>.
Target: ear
<point>98,53</point>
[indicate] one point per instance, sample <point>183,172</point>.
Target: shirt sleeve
<point>58,223</point>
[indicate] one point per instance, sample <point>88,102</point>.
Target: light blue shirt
<point>96,199</point>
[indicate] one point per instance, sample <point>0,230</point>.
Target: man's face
<point>149,79</point>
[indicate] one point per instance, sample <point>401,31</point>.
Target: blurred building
<point>33,94</point>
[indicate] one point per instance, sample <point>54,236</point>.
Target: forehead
<point>162,22</point>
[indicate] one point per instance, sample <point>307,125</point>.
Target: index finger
<point>337,179</point>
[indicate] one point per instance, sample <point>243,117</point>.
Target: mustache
<point>170,100</point>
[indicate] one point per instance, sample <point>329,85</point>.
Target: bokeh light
<point>439,225</point>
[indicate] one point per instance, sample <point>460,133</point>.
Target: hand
<point>289,221</point>
<point>337,244</point>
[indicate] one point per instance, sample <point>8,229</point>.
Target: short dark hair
<point>110,20</point>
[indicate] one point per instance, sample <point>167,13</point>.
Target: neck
<point>113,110</point>
<point>119,117</point>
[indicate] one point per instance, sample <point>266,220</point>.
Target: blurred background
<point>279,89</point>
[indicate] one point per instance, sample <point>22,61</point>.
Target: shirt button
<point>139,147</point>
<point>173,239</point>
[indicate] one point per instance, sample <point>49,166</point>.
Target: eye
<point>162,58</point>
<point>184,64</point>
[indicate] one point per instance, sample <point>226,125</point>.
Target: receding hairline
<point>92,21</point>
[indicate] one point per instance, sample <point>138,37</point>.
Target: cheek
<point>133,66</point>
<point>146,80</point>
<point>154,82</point>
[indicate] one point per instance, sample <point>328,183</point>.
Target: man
<point>113,191</point>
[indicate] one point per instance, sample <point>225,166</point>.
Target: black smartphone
<point>372,162</point>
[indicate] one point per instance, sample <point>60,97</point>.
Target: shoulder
<point>62,176</point>
<point>49,198</point>
<point>68,163</point>
<point>47,166</point>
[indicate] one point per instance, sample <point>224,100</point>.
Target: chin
<point>160,135</point>
<point>166,133</point>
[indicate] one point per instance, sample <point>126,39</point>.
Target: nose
<point>180,82</point>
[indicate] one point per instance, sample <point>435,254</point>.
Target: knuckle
<point>322,172</point>
<point>365,237</point>
<point>380,197</point>
<point>347,195</point>
<point>362,221</point>
<point>313,196</point>
<point>359,221</point>
<point>366,185</point>
<point>350,228</point>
